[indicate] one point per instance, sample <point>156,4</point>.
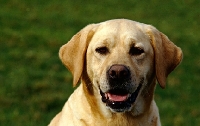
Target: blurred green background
<point>34,84</point>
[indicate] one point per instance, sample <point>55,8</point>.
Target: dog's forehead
<point>120,30</point>
<point>119,26</point>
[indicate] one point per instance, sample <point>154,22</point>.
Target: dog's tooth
<point>106,95</point>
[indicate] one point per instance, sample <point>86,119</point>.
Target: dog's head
<point>120,60</point>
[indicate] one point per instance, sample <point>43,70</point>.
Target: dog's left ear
<point>72,54</point>
<point>166,54</point>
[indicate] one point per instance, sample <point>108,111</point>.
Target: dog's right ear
<point>72,54</point>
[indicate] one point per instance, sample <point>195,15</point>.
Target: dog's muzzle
<point>119,97</point>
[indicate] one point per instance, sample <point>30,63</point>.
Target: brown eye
<point>102,50</point>
<point>135,51</point>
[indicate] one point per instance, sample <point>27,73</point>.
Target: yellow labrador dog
<point>118,63</point>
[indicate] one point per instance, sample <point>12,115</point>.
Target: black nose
<point>118,73</point>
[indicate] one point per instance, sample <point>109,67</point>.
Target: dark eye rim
<point>102,50</point>
<point>136,51</point>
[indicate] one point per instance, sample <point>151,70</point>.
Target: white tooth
<point>106,95</point>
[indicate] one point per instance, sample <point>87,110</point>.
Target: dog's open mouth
<point>119,100</point>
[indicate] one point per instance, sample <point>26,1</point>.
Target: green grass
<point>34,83</point>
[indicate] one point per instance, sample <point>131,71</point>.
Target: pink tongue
<point>113,97</point>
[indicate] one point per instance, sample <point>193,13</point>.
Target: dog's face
<point>121,58</point>
<point>119,62</point>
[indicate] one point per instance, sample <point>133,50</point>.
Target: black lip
<point>122,105</point>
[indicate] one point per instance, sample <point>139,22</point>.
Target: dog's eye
<point>135,51</point>
<point>102,50</point>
